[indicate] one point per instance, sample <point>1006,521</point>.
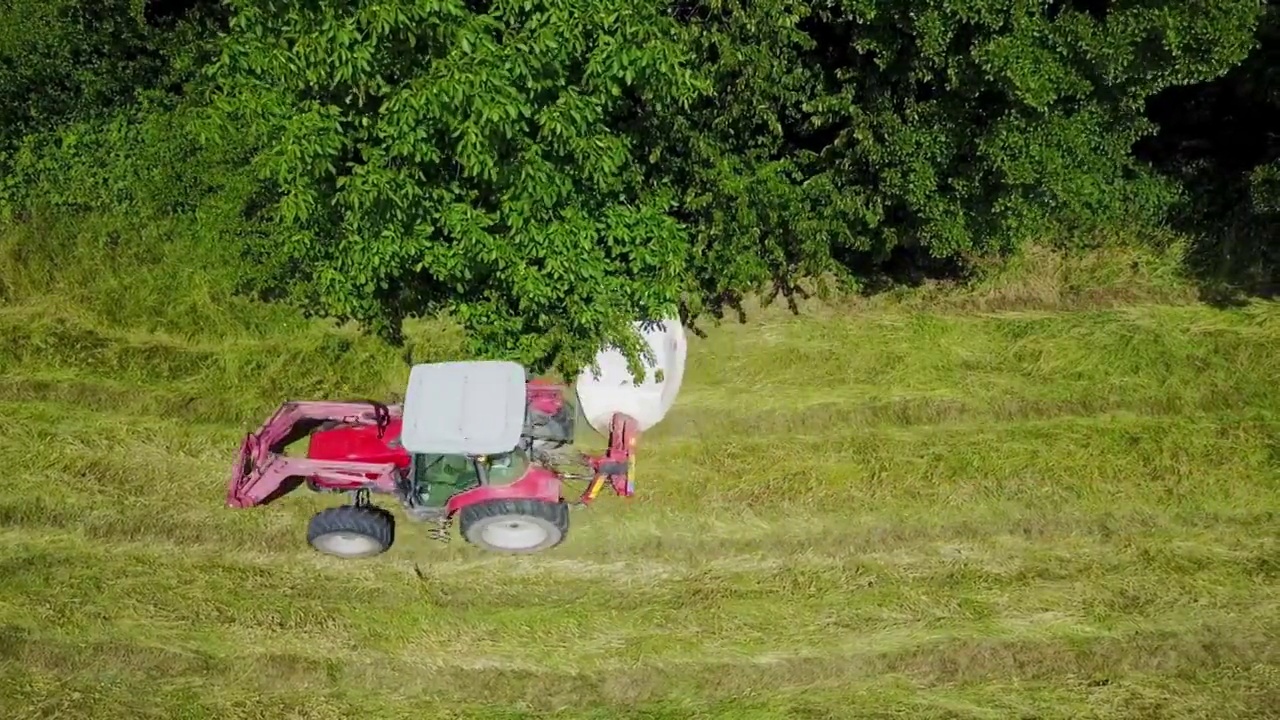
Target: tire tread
<point>555,513</point>
<point>372,522</point>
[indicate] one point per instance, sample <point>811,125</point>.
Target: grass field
<point>1046,501</point>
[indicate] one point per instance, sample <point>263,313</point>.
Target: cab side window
<point>507,468</point>
<point>452,470</point>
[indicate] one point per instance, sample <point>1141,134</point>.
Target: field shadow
<point>904,267</point>
<point>1235,259</point>
<point>1217,139</point>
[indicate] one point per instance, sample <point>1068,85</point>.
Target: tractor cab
<point>464,408</point>
<point>462,426</point>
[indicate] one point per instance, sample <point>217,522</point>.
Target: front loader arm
<point>262,470</point>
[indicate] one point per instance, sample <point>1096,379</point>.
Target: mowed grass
<point>1065,512</point>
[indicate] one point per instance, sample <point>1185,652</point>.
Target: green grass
<point>1033,500</point>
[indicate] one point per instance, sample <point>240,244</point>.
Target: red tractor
<point>473,442</point>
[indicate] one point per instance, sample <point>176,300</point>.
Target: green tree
<point>429,155</point>
<point>78,78</point>
<point>843,130</point>
<point>64,59</point>
<point>975,125</point>
<point>761,213</point>
<point>546,172</point>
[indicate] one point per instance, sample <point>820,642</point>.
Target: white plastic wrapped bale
<point>615,390</point>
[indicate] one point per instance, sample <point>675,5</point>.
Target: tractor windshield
<point>440,477</point>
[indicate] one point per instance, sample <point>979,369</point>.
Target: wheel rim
<point>514,533</point>
<point>347,544</point>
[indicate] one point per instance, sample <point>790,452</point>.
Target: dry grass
<point>977,511</point>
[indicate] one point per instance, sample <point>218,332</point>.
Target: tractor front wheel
<point>515,526</point>
<point>351,531</point>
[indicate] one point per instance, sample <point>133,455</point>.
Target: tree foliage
<point>430,156</point>
<point>973,125</point>
<point>63,60</point>
<point>548,171</point>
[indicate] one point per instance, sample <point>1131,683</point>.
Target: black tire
<point>530,525</point>
<point>351,532</point>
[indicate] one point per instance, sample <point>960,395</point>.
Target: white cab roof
<point>464,408</point>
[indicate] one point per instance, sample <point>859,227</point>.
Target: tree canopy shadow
<point>904,266</point>
<point>1221,141</point>
<point>1237,258</point>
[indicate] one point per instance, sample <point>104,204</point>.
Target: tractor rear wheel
<point>515,526</point>
<point>351,531</point>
